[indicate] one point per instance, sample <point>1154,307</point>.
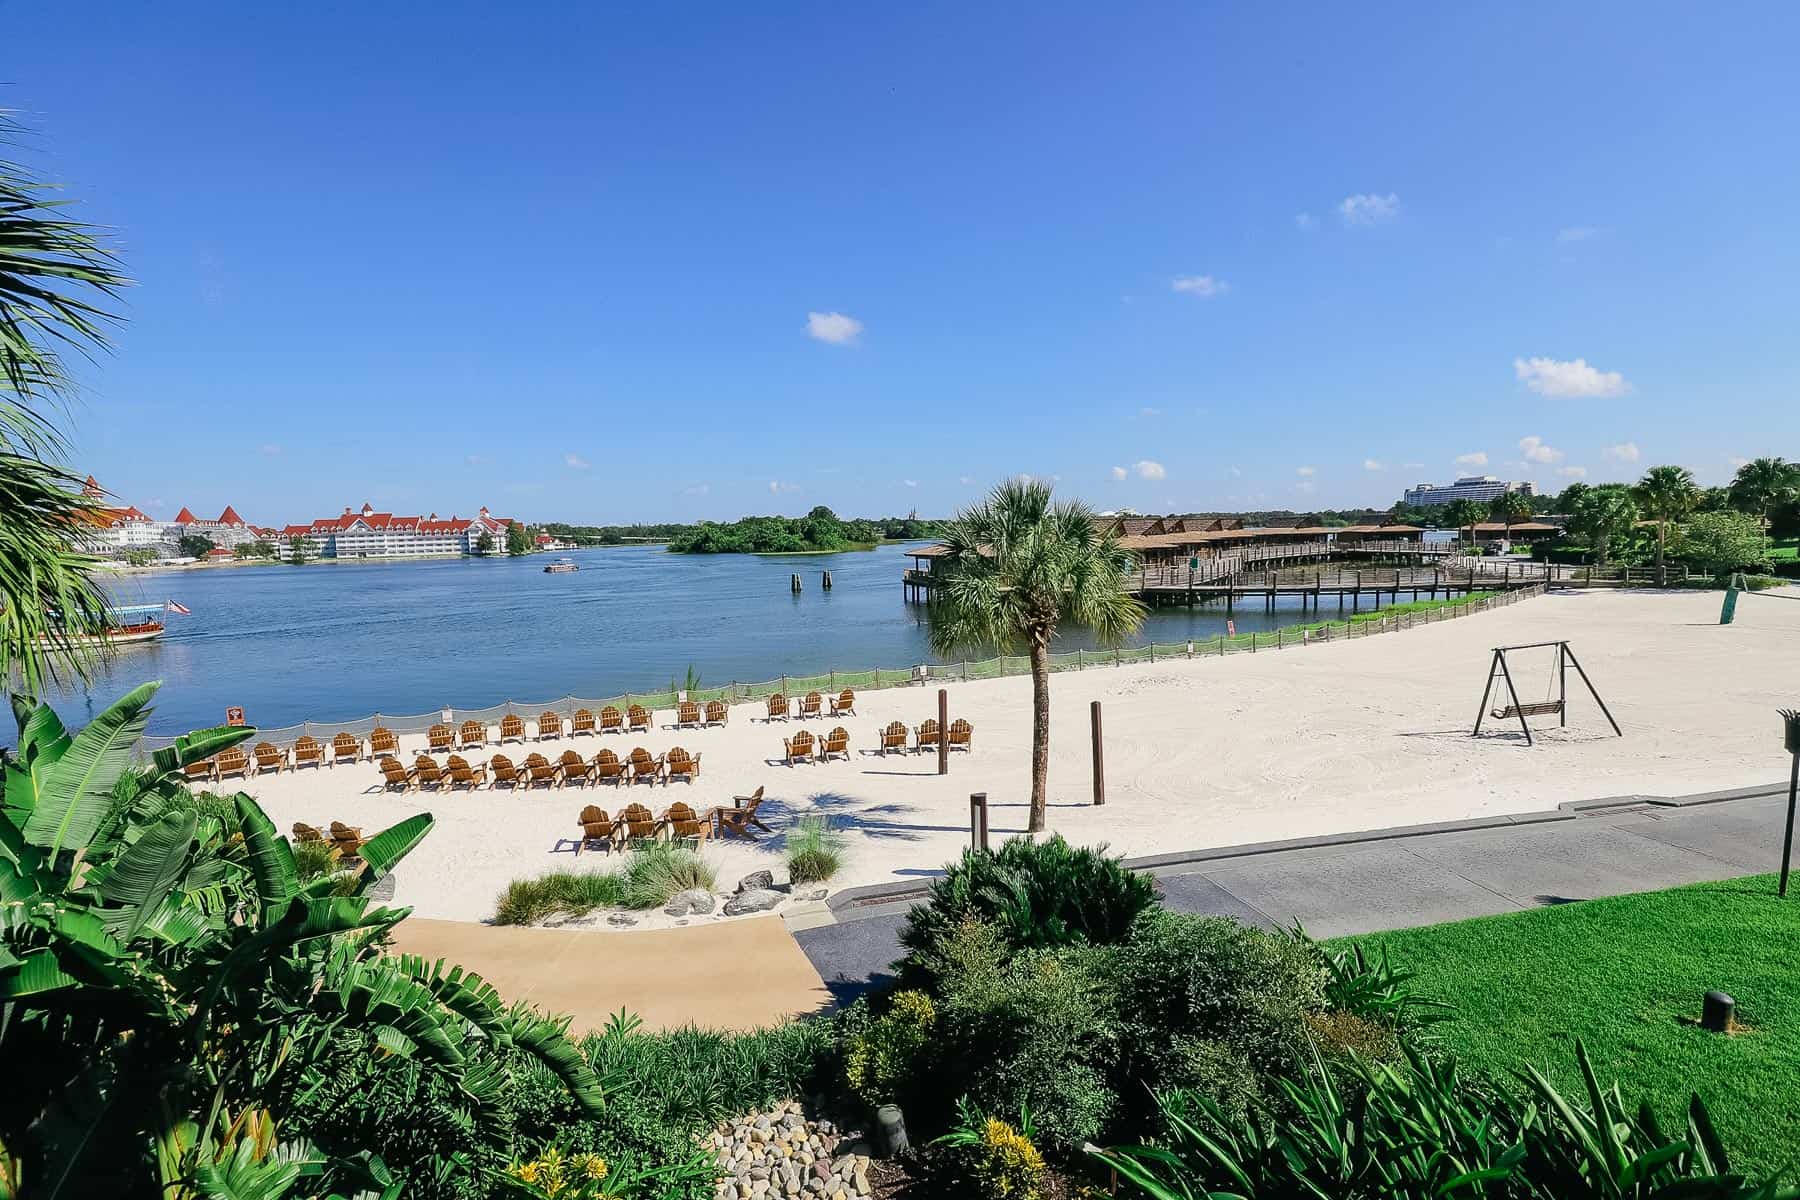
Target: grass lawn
<point>1784,549</point>
<point>1625,975</point>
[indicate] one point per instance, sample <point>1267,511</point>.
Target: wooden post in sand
<point>978,839</point>
<point>943,731</point>
<point>1099,757</point>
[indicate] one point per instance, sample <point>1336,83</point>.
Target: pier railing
<point>878,678</point>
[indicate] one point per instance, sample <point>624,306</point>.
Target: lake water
<point>334,642</point>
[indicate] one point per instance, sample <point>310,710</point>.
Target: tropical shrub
<point>1375,990</point>
<point>1721,542</point>
<point>886,1055</point>
<point>179,992</point>
<point>999,1159</point>
<point>1419,1129</point>
<point>1034,894</point>
<point>814,850</point>
<point>1214,1006</point>
<point>657,872</point>
<point>554,1175</point>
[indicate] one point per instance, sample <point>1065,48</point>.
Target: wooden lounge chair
<point>427,774</point>
<point>597,830</point>
<point>345,747</point>
<point>582,722</point>
<point>394,776</point>
<point>680,765</point>
<point>644,767</point>
<point>717,712</point>
<point>687,715</point>
<point>778,707</point>
<point>540,772</point>
<point>232,762</point>
<point>812,705</point>
<point>894,737</point>
<point>440,737</point>
<point>308,752</point>
<point>549,725</point>
<point>459,773</point>
<point>206,768</point>
<point>574,768</point>
<point>383,741</point>
<point>611,721</point>
<point>960,735</point>
<point>738,819</point>
<point>798,748</point>
<point>638,717</point>
<point>347,840</point>
<point>926,735</point>
<point>835,742</point>
<point>269,760</point>
<point>844,703</point>
<point>503,773</point>
<point>635,824</point>
<point>606,768</point>
<point>682,824</point>
<point>471,735</point>
<point>306,833</point>
<point>512,728</point>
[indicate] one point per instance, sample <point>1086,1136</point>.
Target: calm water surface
<point>338,641</point>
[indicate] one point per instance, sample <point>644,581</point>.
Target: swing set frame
<point>1565,658</point>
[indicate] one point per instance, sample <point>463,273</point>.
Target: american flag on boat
<point>172,606</point>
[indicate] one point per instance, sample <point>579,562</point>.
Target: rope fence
<point>880,678</point>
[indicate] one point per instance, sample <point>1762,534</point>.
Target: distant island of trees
<point>819,530</point>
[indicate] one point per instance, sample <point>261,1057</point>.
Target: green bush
<point>1035,894</point>
<point>658,871</point>
<point>994,1158</point>
<point>1244,992</point>
<point>576,893</point>
<point>814,850</point>
<point>886,1055</point>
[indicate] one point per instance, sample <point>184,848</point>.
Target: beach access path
<point>1393,879</point>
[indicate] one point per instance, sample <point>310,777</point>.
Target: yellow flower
<point>595,1166</point>
<point>526,1172</point>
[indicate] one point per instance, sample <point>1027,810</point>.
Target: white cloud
<point>833,327</point>
<point>1306,471</point>
<point>1149,470</point>
<point>1572,472</point>
<point>269,449</point>
<point>1475,458</point>
<point>1552,377</point>
<point>1369,208</point>
<point>698,489</point>
<point>577,462</point>
<point>777,486</point>
<point>1204,286</point>
<point>1575,233</point>
<point>1374,464</point>
<point>910,482</point>
<point>1535,450</point>
<point>1625,452</point>
<point>1305,222</point>
<point>1149,412</point>
<point>1119,473</point>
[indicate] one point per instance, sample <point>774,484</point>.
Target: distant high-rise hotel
<point>1469,487</point>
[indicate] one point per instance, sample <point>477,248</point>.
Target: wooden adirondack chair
<point>597,830</point>
<point>687,715</point>
<point>539,772</point>
<point>844,703</point>
<point>512,728</point>
<point>269,760</point>
<point>607,768</point>
<point>232,762</point>
<point>471,735</point>
<point>636,824</point>
<point>582,722</point>
<point>306,833</point>
<point>812,704</point>
<point>345,747</point>
<point>644,767</point>
<point>394,776</point>
<point>503,772</point>
<point>347,840</point>
<point>894,737</point>
<point>638,717</point>
<point>458,773</point>
<point>574,768</point>
<point>681,765</point>
<point>611,721</point>
<point>383,741</point>
<point>927,735</point>
<point>741,816</point>
<point>427,774</point>
<point>549,725</point>
<point>309,753</point>
<point>440,737</point>
<point>717,712</point>
<point>835,742</point>
<point>681,823</point>
<point>798,748</point>
<point>961,734</point>
<point>778,707</point>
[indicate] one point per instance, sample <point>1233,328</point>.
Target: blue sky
<point>625,262</point>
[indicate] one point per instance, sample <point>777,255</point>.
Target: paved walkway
<point>1391,879</point>
<point>735,975</point>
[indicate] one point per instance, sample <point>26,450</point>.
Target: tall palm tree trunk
<point>1662,533</point>
<point>1040,727</point>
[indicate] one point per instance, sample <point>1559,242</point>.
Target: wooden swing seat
<point>1548,708</point>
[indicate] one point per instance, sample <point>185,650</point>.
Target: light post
<point>1791,727</point>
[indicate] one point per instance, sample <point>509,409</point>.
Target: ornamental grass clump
<point>815,850</point>
<point>574,893</point>
<point>657,872</point>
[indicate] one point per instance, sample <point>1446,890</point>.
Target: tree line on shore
<point>820,529</point>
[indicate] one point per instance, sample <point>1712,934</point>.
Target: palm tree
<point>1510,507</point>
<point>1666,494</point>
<point>1602,514</point>
<point>54,273</point>
<point>1014,568</point>
<point>1464,514</point>
<point>1763,485</point>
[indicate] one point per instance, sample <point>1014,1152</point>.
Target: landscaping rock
<point>756,880</point>
<point>621,919</point>
<point>814,894</point>
<point>754,900</point>
<point>781,1155</point>
<point>694,900</point>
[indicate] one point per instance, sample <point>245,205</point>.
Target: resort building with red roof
<point>371,534</point>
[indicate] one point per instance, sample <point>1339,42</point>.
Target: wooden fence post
<point>1099,756</point>
<point>943,731</point>
<point>978,829</point>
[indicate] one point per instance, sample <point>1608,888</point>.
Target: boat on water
<point>129,623</point>
<point>560,566</point>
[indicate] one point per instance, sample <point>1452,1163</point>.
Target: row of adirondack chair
<point>635,824</point>
<point>347,840</point>
<point>811,705</point>
<point>893,738</point>
<point>640,766</point>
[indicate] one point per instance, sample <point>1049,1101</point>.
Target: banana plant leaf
<point>75,793</point>
<point>199,745</point>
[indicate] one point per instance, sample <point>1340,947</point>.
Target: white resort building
<point>1469,487</point>
<point>371,534</point>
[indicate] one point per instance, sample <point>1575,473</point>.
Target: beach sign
<point>235,716</point>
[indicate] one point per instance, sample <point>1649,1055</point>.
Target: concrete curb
<point>854,903</point>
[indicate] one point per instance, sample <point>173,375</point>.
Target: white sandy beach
<point>1324,739</point>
